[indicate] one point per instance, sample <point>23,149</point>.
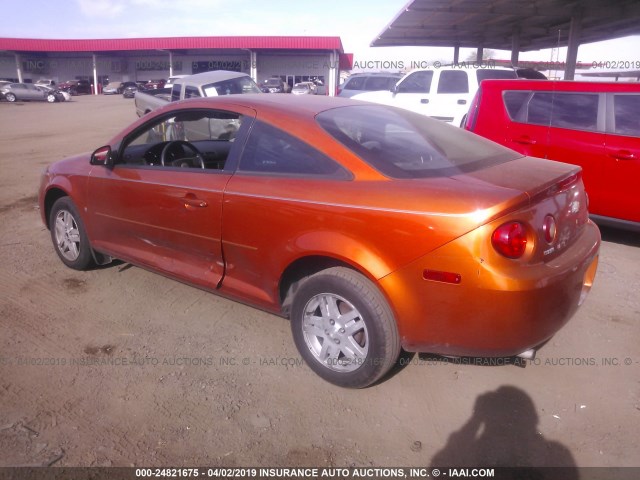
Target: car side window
<point>453,81</point>
<point>191,92</point>
<point>515,101</point>
<point>577,111</point>
<point>199,139</point>
<point>626,109</point>
<point>417,82</point>
<point>355,83</point>
<point>378,83</point>
<point>539,109</point>
<point>269,150</point>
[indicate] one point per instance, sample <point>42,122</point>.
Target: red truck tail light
<point>510,239</point>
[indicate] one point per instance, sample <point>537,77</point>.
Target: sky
<point>357,23</point>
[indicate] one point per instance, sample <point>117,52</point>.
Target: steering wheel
<point>167,148</point>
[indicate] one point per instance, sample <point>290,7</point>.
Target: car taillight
<point>510,239</point>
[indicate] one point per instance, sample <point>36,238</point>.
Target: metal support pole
<point>575,31</point>
<point>515,48</point>
<point>18,68</point>
<point>95,75</point>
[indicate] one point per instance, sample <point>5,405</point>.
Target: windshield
<point>233,86</point>
<point>403,144</point>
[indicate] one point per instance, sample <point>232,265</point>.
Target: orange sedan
<point>371,228</point>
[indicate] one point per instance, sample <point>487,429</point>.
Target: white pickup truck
<point>444,93</point>
<point>207,84</point>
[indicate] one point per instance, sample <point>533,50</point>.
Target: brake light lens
<point>510,239</point>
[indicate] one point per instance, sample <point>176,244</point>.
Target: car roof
<point>308,106</point>
<point>207,77</point>
<point>560,85</point>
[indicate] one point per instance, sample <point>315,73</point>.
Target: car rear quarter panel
<point>501,307</point>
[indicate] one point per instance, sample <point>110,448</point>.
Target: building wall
<point>293,67</point>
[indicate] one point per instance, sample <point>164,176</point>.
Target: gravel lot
<point>120,367</point>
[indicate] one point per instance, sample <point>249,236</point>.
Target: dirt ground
<point>122,367</point>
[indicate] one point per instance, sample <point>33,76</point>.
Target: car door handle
<point>623,155</point>
<point>424,100</point>
<point>462,102</point>
<point>190,200</point>
<point>525,140</point>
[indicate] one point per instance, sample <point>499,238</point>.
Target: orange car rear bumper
<point>499,309</point>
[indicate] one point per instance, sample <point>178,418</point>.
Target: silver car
<point>26,91</point>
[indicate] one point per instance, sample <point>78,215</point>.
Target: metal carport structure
<point>516,25</point>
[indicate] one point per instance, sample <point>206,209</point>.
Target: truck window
<point>453,81</point>
<point>175,92</point>
<point>191,92</point>
<point>417,82</point>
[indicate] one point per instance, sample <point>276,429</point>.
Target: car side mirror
<point>102,156</point>
<point>394,88</point>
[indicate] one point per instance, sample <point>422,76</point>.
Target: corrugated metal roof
<point>170,43</point>
<point>492,23</point>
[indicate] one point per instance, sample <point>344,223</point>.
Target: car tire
<point>352,343</point>
<point>51,98</point>
<point>10,97</point>
<point>69,235</point>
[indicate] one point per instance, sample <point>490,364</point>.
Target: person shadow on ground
<point>502,432</point>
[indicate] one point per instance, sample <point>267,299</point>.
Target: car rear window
<point>403,144</point>
<point>577,111</point>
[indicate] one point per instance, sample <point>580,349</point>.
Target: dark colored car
<point>274,85</point>
<point>155,84</point>
<point>76,87</point>
<point>368,82</point>
<point>590,124</point>
<point>370,227</point>
<point>129,89</point>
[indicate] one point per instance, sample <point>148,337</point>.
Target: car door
<point>576,136</point>
<point>530,115</point>
<point>33,93</point>
<point>167,214</point>
<point>452,96</point>
<point>622,158</point>
<point>414,92</point>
